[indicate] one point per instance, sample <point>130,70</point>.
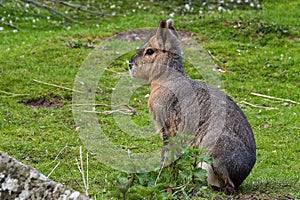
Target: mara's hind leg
<point>218,178</point>
<point>223,175</point>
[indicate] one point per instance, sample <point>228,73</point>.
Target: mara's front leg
<point>168,129</point>
<point>159,117</point>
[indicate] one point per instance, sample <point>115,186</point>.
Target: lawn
<point>255,48</point>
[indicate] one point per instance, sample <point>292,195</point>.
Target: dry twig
<point>53,169</point>
<point>44,6</point>
<point>213,57</point>
<point>87,174</point>
<point>218,61</point>
<point>100,104</point>
<point>81,8</point>
<point>59,153</point>
<point>9,24</point>
<point>160,170</point>
<point>129,111</point>
<point>12,94</point>
<point>118,73</point>
<point>58,86</point>
<point>108,112</point>
<point>71,171</point>
<point>257,106</point>
<point>89,104</point>
<point>275,98</point>
<point>81,169</point>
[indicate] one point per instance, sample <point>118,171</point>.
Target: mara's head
<point>159,56</point>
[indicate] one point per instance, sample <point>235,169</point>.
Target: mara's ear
<point>170,25</point>
<point>165,26</point>
<point>166,32</point>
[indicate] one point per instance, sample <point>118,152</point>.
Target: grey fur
<point>179,104</point>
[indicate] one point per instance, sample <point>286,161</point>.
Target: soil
<point>145,34</point>
<point>44,102</point>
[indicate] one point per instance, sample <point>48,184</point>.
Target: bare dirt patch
<point>44,102</point>
<point>145,34</point>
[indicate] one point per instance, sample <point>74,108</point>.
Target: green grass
<point>264,62</point>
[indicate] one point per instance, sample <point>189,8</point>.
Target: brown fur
<point>179,104</point>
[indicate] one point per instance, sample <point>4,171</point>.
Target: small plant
<point>183,179</point>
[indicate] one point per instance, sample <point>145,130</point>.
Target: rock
<point>19,181</point>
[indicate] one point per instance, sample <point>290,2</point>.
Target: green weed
<point>183,179</point>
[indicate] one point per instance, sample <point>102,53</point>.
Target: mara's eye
<point>149,52</point>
